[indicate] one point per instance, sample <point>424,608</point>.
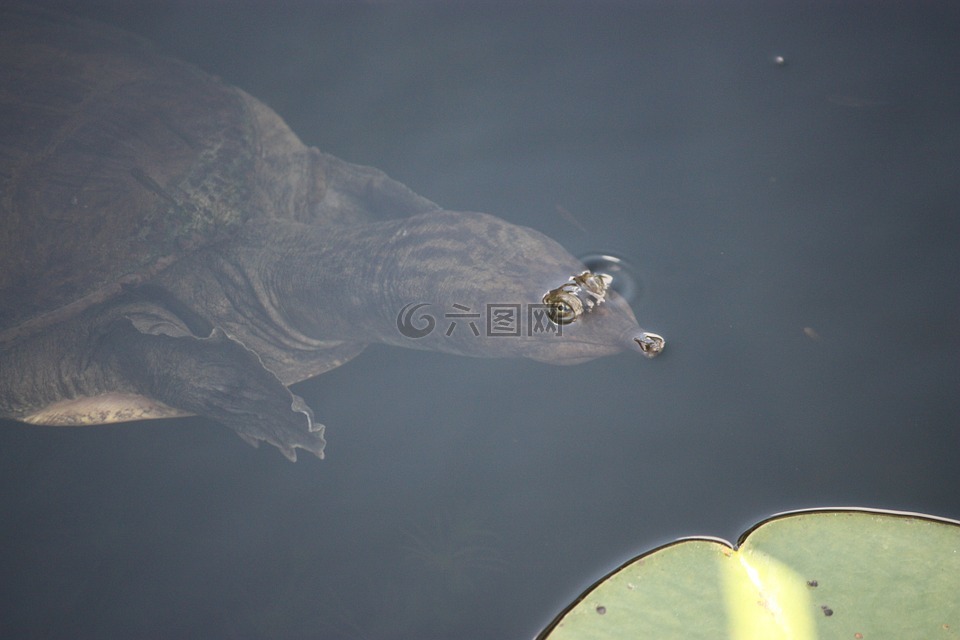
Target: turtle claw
<point>299,404</point>
<point>289,451</point>
<point>285,439</point>
<point>286,432</point>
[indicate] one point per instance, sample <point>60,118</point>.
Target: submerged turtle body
<point>169,247</point>
<point>118,161</point>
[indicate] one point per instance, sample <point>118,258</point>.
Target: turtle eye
<point>579,295</point>
<point>563,307</point>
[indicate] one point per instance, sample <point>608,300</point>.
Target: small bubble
<point>779,61</point>
<point>624,275</point>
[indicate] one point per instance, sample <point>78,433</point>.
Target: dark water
<point>795,230</point>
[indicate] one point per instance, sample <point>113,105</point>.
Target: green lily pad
<point>804,575</point>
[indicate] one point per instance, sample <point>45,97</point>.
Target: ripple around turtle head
<point>625,280</point>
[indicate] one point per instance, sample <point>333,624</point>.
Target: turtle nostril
<point>650,344</point>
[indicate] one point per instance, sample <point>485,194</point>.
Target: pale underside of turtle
<point>169,247</point>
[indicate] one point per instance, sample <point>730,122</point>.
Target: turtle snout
<point>649,344</point>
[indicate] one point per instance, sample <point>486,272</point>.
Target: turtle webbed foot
<point>217,378</point>
<point>288,431</point>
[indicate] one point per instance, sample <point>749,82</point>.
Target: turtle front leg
<point>218,378</point>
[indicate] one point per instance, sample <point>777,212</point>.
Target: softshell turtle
<point>169,247</point>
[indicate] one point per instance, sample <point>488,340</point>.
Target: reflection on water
<point>448,561</point>
<point>456,553</point>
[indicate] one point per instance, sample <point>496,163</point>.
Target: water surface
<point>794,229</point>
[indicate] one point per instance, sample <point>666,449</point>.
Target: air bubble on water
<point>624,276</point>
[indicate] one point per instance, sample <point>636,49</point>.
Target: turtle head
<point>473,284</point>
